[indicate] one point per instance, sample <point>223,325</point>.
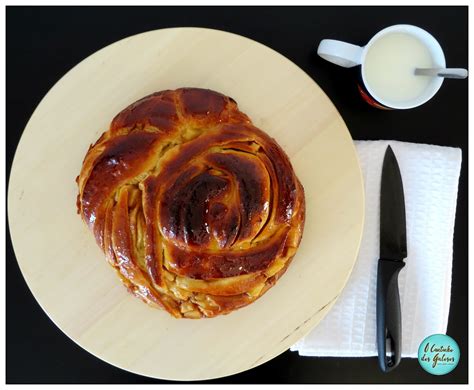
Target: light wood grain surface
<point>67,272</point>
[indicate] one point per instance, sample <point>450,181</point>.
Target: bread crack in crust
<point>197,210</point>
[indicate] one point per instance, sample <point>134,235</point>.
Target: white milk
<point>390,64</point>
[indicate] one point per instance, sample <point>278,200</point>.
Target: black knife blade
<point>393,249</point>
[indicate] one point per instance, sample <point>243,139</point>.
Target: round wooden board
<point>67,272</point>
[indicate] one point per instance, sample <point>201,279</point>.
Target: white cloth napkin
<point>430,177</point>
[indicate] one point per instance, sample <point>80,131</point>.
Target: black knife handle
<point>389,324</point>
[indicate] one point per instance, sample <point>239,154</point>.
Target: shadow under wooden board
<point>67,272</point>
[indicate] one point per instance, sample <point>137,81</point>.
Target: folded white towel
<point>430,177</point>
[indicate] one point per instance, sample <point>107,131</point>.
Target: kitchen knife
<point>393,249</point>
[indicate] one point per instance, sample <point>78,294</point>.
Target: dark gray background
<point>43,43</point>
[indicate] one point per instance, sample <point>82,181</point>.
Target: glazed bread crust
<point>197,210</point>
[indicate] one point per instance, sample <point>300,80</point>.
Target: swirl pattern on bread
<point>197,210</point>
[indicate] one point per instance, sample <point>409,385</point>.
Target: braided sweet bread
<point>197,210</point>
